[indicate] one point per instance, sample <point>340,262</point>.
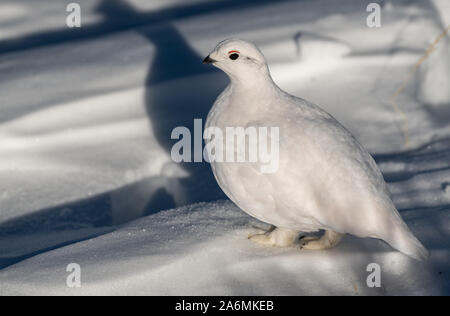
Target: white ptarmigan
<point>325,179</point>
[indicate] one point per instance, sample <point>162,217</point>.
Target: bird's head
<point>240,60</point>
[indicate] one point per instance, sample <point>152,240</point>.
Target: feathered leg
<point>276,237</point>
<point>327,241</point>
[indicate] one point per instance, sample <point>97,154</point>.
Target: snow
<point>85,126</point>
<point>202,249</point>
<point>433,78</point>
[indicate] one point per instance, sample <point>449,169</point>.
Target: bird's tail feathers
<point>404,241</point>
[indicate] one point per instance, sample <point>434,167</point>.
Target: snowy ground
<point>85,122</point>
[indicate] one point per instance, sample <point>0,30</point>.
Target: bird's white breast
<point>325,179</point>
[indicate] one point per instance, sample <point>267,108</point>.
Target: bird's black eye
<point>234,56</point>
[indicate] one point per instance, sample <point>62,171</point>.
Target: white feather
<point>325,179</point>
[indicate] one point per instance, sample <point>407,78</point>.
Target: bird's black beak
<point>208,60</point>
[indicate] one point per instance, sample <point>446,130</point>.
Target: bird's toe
<point>309,242</point>
<point>263,239</point>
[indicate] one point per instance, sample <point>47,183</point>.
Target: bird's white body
<point>325,178</point>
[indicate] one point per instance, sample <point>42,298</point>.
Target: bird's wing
<point>325,179</point>
<point>340,183</point>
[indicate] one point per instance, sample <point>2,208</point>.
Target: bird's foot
<point>329,240</point>
<point>276,237</point>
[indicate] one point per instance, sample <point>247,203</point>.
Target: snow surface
<point>85,122</point>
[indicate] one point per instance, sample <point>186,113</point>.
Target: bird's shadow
<point>178,90</point>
